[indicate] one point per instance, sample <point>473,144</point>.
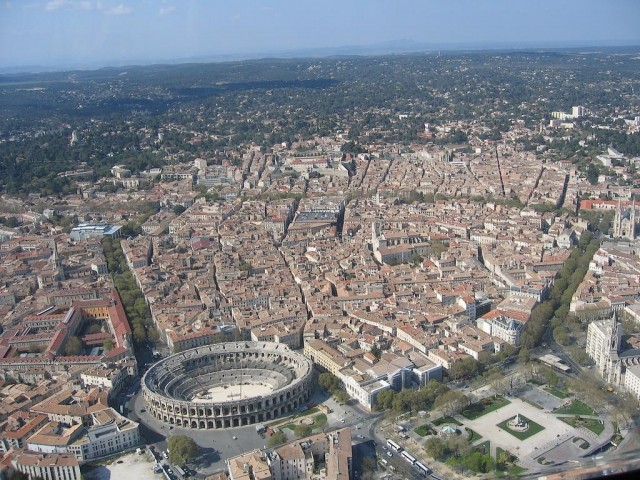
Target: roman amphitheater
<point>227,385</point>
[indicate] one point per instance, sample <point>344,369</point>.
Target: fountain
<point>517,424</point>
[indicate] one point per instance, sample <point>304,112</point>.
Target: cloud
<point>55,5</point>
<point>7,4</point>
<point>87,5</point>
<point>166,10</point>
<point>119,10</point>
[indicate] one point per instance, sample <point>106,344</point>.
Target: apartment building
<point>51,466</point>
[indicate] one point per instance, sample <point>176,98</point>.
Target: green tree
<point>276,439</point>
<point>416,258</point>
<point>181,449</point>
<point>560,335</point>
<point>73,346</point>
<point>140,307</point>
<point>458,444</point>
<point>436,448</point>
<point>585,239</point>
<point>328,381</point>
<point>580,356</point>
<point>179,209</point>
<point>478,463</point>
<point>107,345</point>
<point>592,174</point>
<point>549,375</point>
<point>451,402</point>
<point>375,350</point>
<point>503,458</point>
<point>463,369</point>
<point>341,396</point>
<point>384,399</point>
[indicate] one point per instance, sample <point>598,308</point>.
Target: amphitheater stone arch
<point>227,385</point>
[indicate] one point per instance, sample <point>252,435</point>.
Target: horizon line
<point>372,50</point>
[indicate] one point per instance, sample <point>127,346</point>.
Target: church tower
<point>617,221</point>
<point>632,221</point>
<point>55,263</point>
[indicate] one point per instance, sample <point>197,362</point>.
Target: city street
<point>218,445</point>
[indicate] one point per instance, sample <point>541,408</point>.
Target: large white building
<point>53,466</point>
<point>632,380</point>
<point>497,324</point>
<point>616,366</point>
<point>110,433</point>
<point>603,343</point>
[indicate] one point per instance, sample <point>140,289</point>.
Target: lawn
<point>516,470</point>
<point>472,435</point>
<point>533,428</point>
<point>482,408</point>
<point>593,424</point>
<point>423,430</point>
<point>319,421</point>
<point>556,393</point>
<point>445,420</point>
<point>576,407</point>
<point>511,468</point>
<point>484,447</point>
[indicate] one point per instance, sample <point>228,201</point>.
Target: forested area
<point>118,114</point>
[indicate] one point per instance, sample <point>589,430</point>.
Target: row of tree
<point>566,284</point>
<point>132,297</point>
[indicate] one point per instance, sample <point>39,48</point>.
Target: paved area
<point>132,465</point>
<point>487,427</point>
<point>543,398</point>
<point>218,445</point>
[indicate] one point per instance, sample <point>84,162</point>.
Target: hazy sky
<point>113,32</point>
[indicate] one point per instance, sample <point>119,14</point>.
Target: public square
<point>487,426</point>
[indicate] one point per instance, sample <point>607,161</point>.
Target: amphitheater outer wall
<point>227,357</point>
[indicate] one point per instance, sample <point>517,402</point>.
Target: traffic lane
<point>402,467</point>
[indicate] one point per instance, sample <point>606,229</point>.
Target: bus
<point>394,445</point>
<point>407,456</point>
<point>424,470</point>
